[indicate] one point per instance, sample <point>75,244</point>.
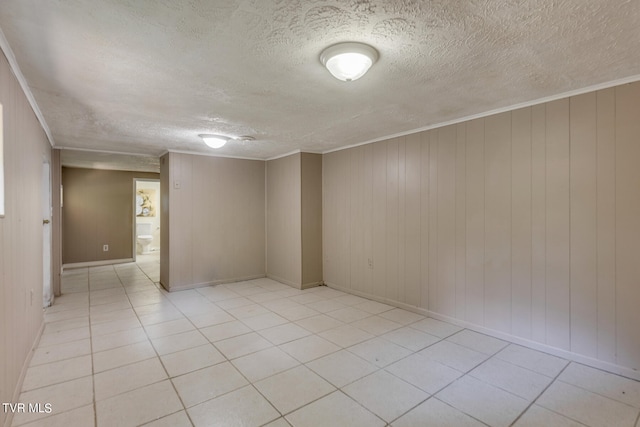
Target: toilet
<point>144,237</point>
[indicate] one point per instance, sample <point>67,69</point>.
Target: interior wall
<point>284,235</point>
<point>216,224</point>
<point>21,239</point>
<point>526,223</point>
<point>98,210</point>
<point>311,222</point>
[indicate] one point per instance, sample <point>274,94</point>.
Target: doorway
<point>146,219</point>
<point>47,292</point>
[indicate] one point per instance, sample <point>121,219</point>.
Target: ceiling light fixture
<point>348,61</point>
<point>214,141</point>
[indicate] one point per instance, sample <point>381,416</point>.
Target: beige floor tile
<point>309,348</point>
<point>298,312</point>
<point>401,316</point>
<point>327,292</point>
<point>112,316</point>
<point>199,386</point>
<point>62,397</point>
<point>410,338</point>
<point>178,419</point>
<point>537,416</point>
<point>217,293</point>
<point>376,325</point>
<point>379,352</point>
<point>307,298</point>
<point>326,305</point>
<point>112,326</point>
<point>129,377</point>
<point>289,390</point>
<point>57,372</point>
<point>63,325</point>
<point>210,319</point>
<point>478,342</point>
<point>264,321</point>
<point>66,314</point>
<point>121,356</point>
<point>225,330</point>
<point>484,402</point>
<point>280,422</point>
<point>263,297</point>
<point>385,395</point>
<point>138,406</point>
<point>118,339</point>
<point>83,416</point>
<point>348,314</point>
<point>192,359</point>
<point>533,360</point>
<point>615,387</point>
<point>284,333</point>
<point>341,368</point>
<point>428,375</point>
<point>65,336</point>
<point>243,407</point>
<point>247,311</point>
<point>336,409</point>
<point>242,345</point>
<point>231,303</point>
<point>436,327</point>
<point>178,342</point>
<point>351,300</point>
<point>346,335</point>
<point>114,306</point>
<point>436,413</point>
<point>171,327</point>
<point>514,379</point>
<point>586,407</point>
<point>373,307</point>
<point>456,356</point>
<point>319,323</point>
<point>264,363</point>
<point>55,353</point>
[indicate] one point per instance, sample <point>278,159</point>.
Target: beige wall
<point>284,227</point>
<point>98,210</point>
<point>214,208</point>
<point>311,211</point>
<point>525,222</point>
<point>25,149</point>
<point>294,219</point>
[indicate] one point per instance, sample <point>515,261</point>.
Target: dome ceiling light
<point>348,61</point>
<point>214,141</point>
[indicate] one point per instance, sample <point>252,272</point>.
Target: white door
<point>47,294</point>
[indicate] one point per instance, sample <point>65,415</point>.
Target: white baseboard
<point>177,288</point>
<point>96,263</point>
<point>576,357</point>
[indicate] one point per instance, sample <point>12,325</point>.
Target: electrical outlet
<point>105,248</point>
<point>176,184</point>
<point>370,261</point>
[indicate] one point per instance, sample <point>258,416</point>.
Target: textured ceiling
<point>146,76</point>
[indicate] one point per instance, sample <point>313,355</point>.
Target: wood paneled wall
<point>26,148</point>
<point>213,210</point>
<point>525,222</point>
<point>97,211</point>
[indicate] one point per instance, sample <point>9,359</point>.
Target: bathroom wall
<point>21,241</point>
<point>214,211</point>
<point>155,219</point>
<point>98,210</point>
<point>524,223</point>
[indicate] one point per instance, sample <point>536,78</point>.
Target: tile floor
<point>119,351</point>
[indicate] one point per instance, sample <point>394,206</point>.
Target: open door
<point>47,292</point>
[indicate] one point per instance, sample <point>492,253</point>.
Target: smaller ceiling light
<point>214,141</point>
<point>348,61</point>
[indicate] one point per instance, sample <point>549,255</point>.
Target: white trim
<point>13,64</point>
<point>576,357</point>
<point>212,155</point>
<point>91,150</point>
<point>291,153</point>
<point>96,263</point>
<point>588,89</point>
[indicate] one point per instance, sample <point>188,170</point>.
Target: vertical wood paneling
<point>475,166</point>
<point>539,223</point>
<point>584,310</point>
<point>558,230</point>
<point>461,219</point>
<point>425,262</point>
<point>379,203</point>
<point>412,226</point>
<point>606,219</point>
<point>521,222</point>
<point>434,261</point>
<point>628,224</point>
<point>446,284</point>
<point>367,218</point>
<point>498,222</point>
<point>402,181</point>
<point>393,220</point>
<point>329,240</point>
<point>356,199</point>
